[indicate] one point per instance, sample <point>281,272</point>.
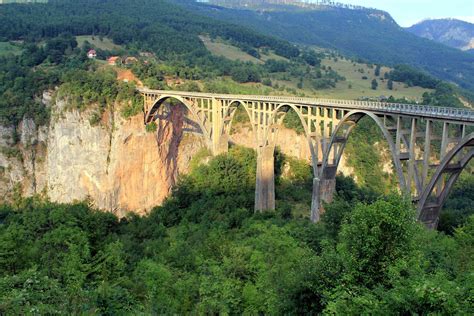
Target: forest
<point>205,251</point>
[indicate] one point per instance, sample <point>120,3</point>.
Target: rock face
<point>451,32</point>
<point>117,164</point>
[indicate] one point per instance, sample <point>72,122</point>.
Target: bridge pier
<point>265,179</point>
<point>221,145</point>
<point>315,201</point>
<point>323,191</point>
<point>327,189</point>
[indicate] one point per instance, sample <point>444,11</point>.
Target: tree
<point>377,71</point>
<point>300,84</point>
<point>374,84</point>
<point>390,84</point>
<point>376,237</point>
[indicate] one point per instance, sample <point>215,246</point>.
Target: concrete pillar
<point>220,143</point>
<point>221,146</point>
<point>327,189</point>
<point>315,202</point>
<point>265,180</point>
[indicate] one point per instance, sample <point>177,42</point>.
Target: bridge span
<point>429,145</point>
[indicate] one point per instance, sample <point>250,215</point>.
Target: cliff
<point>117,164</point>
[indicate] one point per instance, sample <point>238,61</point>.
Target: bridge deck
<point>430,112</point>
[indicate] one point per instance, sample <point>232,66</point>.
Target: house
<point>91,54</point>
<point>129,60</point>
<point>147,54</point>
<point>113,60</point>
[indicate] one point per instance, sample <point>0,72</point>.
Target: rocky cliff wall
<point>116,164</point>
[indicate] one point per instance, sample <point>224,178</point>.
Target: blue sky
<point>408,12</point>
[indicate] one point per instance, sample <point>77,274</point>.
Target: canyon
<point>117,165</point>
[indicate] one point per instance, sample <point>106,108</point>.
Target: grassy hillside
<point>103,43</point>
<point>372,35</point>
<point>357,83</point>
<point>356,87</point>
<point>7,48</point>
<point>222,49</point>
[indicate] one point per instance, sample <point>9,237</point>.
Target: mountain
<point>366,33</point>
<point>451,32</point>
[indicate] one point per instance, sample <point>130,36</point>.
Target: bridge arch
<point>275,122</point>
<point>342,133</point>
<point>267,125</point>
<point>229,114</point>
<point>192,110</point>
<point>430,206</point>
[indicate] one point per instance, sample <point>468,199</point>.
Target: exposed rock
<point>6,136</point>
<point>117,164</point>
<point>119,168</point>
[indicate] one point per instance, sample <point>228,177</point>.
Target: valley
<point>110,208</point>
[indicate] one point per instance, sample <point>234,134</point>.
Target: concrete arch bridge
<point>430,146</point>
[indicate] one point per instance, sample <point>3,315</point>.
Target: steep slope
<point>366,33</point>
<point>451,32</point>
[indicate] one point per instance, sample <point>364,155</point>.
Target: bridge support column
<point>220,143</point>
<point>327,189</point>
<point>323,191</point>
<point>315,201</point>
<point>265,180</point>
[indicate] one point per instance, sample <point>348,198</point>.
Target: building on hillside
<point>129,60</point>
<point>147,54</point>
<point>113,60</point>
<point>91,54</point>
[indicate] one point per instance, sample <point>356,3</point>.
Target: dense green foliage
<point>24,78</point>
<point>412,77</point>
<point>369,34</point>
<point>157,25</point>
<point>205,251</point>
<point>460,204</point>
<point>51,56</point>
<point>365,149</point>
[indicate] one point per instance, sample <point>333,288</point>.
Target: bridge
<point>429,146</point>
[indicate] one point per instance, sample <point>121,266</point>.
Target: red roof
<point>92,51</point>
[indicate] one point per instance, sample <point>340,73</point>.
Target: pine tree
<point>374,84</point>
<point>390,84</point>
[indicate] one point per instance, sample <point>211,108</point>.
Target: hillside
<point>102,215</point>
<point>451,32</point>
<point>369,34</point>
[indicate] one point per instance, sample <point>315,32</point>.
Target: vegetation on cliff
<point>205,251</point>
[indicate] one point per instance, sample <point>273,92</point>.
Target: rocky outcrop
<point>117,164</point>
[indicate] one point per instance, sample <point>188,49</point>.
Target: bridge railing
<point>397,108</point>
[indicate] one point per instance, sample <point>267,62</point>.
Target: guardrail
<point>464,115</point>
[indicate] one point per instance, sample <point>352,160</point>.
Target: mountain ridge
<point>452,32</point>
<point>356,33</point>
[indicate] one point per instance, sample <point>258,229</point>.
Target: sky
<point>409,12</point>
